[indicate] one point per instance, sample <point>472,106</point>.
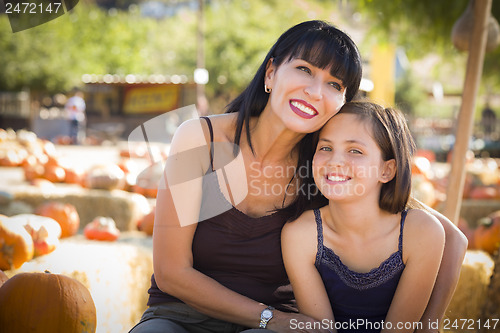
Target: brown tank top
<point>240,252</point>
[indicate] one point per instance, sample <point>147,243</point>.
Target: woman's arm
<point>449,271</point>
<point>423,244</point>
<point>299,246</point>
<point>178,203</point>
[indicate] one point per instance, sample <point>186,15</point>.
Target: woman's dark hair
<point>392,135</point>
<point>317,42</point>
<point>322,45</point>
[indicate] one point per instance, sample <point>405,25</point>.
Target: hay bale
<point>117,275</point>
<point>124,207</point>
<point>472,210</point>
<point>470,295</point>
<point>491,308</point>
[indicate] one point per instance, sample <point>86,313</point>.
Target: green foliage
<point>424,26</point>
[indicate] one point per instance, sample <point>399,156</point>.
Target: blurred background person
<point>75,108</point>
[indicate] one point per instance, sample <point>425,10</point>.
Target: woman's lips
<point>303,109</point>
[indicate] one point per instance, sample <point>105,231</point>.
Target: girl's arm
<point>423,245</point>
<point>178,203</point>
<point>449,272</point>
<point>299,246</point>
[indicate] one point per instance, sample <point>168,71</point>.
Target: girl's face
<point>303,96</point>
<point>348,162</point>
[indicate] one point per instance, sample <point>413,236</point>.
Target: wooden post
<point>477,49</point>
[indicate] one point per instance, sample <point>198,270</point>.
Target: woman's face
<point>348,162</point>
<point>303,96</point>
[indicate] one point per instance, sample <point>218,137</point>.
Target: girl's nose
<point>336,159</point>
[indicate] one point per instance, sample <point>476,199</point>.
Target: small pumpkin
<point>44,231</point>
<point>64,213</point>
<point>105,177</point>
<point>487,234</point>
<point>3,278</point>
<point>102,228</point>
<point>46,302</point>
<point>146,223</point>
<point>16,244</point>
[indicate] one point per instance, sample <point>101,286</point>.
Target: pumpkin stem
<point>47,271</point>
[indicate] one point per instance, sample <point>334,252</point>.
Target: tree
<point>424,26</point>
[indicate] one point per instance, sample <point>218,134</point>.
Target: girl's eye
<point>304,69</point>
<point>325,149</point>
<point>356,151</point>
<point>336,86</point>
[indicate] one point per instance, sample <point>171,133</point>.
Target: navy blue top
<point>360,301</point>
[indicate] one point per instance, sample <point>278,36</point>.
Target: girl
<point>364,261</point>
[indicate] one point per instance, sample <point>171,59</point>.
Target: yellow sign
<point>151,98</point>
<point>382,74</point>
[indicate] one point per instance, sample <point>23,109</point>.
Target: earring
<point>266,89</point>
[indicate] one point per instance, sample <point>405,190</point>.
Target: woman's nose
<point>314,90</point>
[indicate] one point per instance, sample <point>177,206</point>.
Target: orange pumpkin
<point>487,234</point>
<point>54,173</point>
<point>102,228</point>
<point>16,245</point>
<point>64,213</point>
<point>146,224</point>
<point>3,278</point>
<point>484,193</point>
<point>45,302</point>
<point>44,231</point>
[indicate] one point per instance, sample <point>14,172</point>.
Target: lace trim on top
<point>360,281</point>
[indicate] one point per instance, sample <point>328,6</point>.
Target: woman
<point>216,242</point>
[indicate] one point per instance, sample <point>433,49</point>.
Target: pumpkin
<point>146,223</point>
<point>54,173</point>
<point>46,302</point>
<point>487,234</point>
<point>64,213</point>
<point>423,190</point>
<point>105,177</point>
<point>16,245</point>
<point>483,193</point>
<point>102,228</point>
<point>44,231</point>
<point>3,278</point>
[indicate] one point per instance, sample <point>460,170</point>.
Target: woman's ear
<point>388,171</point>
<point>270,70</point>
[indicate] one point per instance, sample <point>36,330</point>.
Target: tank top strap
<point>402,223</point>
<point>211,130</point>
<point>319,226</point>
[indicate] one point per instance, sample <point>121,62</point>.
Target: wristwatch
<point>265,316</point>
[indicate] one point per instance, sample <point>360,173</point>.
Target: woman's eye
<point>355,151</point>
<point>304,69</point>
<point>336,86</point>
<point>325,149</point>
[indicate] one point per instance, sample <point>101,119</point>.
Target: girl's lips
<point>337,178</point>
<point>303,109</point>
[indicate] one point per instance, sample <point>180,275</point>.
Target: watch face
<point>267,314</point>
